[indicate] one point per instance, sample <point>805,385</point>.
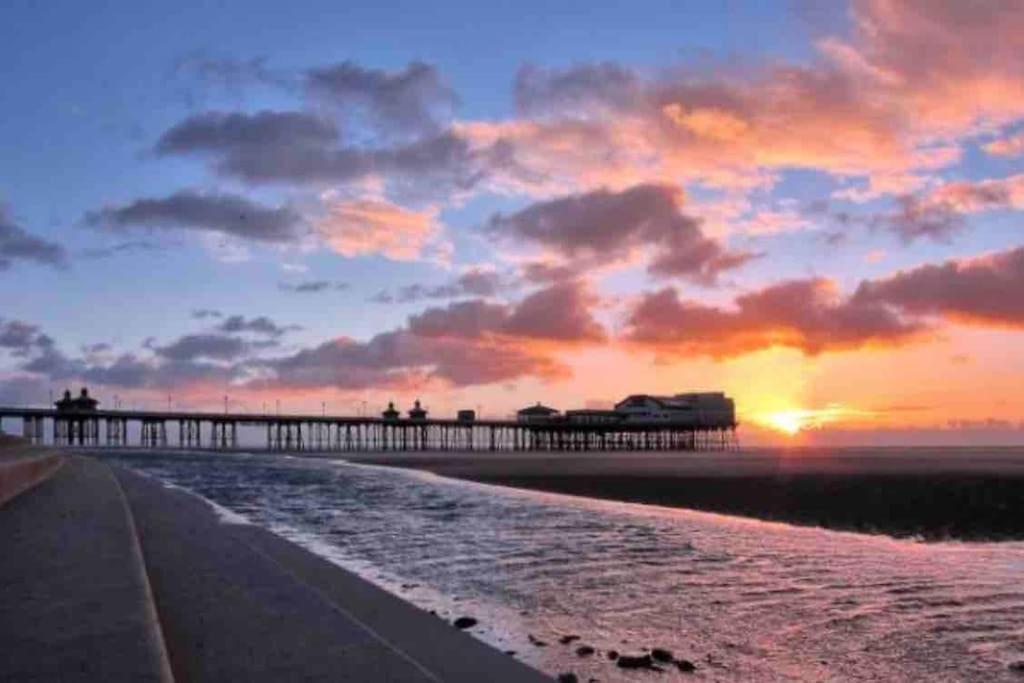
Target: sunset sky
<point>811,206</point>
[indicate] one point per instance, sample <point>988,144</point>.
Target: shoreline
<point>956,498</point>
<point>117,576</point>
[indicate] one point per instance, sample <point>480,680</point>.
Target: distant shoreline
<point>926,495</point>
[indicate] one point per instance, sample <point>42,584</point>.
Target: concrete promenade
<point>107,575</point>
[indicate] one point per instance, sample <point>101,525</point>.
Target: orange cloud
<point>808,315</point>
<point>372,226</point>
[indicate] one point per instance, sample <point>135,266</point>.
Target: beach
<point>927,493</point>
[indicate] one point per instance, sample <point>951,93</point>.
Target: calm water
<point>745,600</point>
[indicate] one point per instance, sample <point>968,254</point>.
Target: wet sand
<point>934,494</point>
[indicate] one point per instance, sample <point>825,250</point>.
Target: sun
<point>787,421</point>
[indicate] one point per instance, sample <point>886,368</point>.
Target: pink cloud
<point>970,197</point>
<point>363,227</point>
<point>1012,146</point>
<point>895,98</point>
<point>939,212</point>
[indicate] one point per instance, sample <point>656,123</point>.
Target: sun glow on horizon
<point>795,420</point>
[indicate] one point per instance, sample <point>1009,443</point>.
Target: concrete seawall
<point>22,467</point>
<point>109,575</point>
<point>75,601</point>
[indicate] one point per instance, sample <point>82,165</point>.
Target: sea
<point>548,574</point>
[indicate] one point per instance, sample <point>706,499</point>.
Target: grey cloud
<point>547,273</point>
<point>560,312</point>
<point>231,74</point>
<point>299,148</point>
<point>469,319</point>
<point>204,313</point>
<point>259,325</point>
<point>540,91</point>
<point>22,339</point>
<point>128,247</point>
<point>215,213</point>
<point>475,282</point>
<point>312,286</point>
<point>225,132</point>
<point>465,343</point>
<point>175,365</point>
<point>445,160</point>
<point>131,372</point>
<point>208,346</point>
<point>604,226</point>
<point>24,390</point>
<point>982,291</point>
<point>915,218</point>
<point>18,245</point>
<point>409,100</point>
<point>403,359</point>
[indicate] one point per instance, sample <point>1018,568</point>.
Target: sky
<point>811,206</point>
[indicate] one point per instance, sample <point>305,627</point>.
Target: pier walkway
<point>329,433</point>
<point>109,575</point>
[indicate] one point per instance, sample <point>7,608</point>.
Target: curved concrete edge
<point>25,471</point>
<point>157,641</point>
<point>238,602</point>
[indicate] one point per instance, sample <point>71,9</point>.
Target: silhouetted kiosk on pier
<point>680,422</point>
<point>76,421</point>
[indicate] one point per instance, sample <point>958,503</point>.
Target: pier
<point>88,426</point>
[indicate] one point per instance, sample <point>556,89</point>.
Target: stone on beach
<point>662,655</point>
<point>686,666</point>
<point>465,622</point>
<point>635,662</point>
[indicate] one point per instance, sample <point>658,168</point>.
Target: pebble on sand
<point>635,662</point>
<point>465,622</point>
<point>686,666</point>
<point>584,651</point>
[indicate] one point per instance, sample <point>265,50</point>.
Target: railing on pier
<point>284,433</point>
